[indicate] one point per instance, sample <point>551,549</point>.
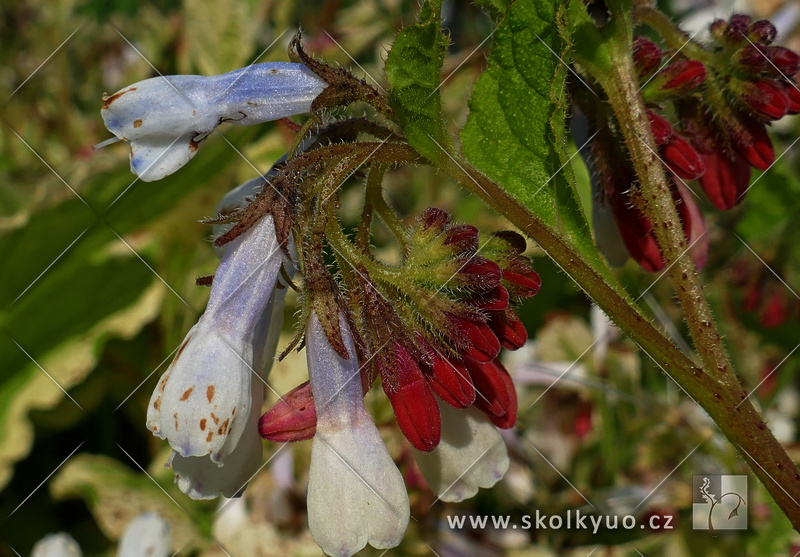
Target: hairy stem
<point>717,387</point>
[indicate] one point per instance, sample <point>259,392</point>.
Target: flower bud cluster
<point>719,98</point>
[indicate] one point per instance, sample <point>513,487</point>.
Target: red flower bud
<point>515,241</point>
<point>637,234</point>
<point>662,130</point>
<point>752,58</point>
<point>480,273</point>
<point>725,179</point>
<point>754,144</point>
<point>495,396</point>
<point>762,31</point>
<point>483,345</point>
<point>520,278</point>
<point>464,237</point>
<point>451,381</point>
<point>682,159</point>
<point>683,75</point>
<point>435,218</point>
<point>786,61</point>
<point>790,89</point>
<point>766,98</point>
<point>495,300</point>
<point>775,311</point>
<point>737,28</point>
<point>646,55</point>
<point>752,298</point>
<point>509,329</point>
<point>293,418</point>
<point>412,400</point>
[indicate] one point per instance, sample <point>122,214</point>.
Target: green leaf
<point>413,69</point>
<point>116,495</point>
<point>496,8</point>
<point>515,133</point>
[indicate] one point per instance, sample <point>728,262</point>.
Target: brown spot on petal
<point>175,415</point>
<point>210,435</point>
<point>108,100</point>
<point>213,417</point>
<point>157,403</point>
<point>203,424</point>
<point>187,393</point>
<point>137,123</point>
<point>210,392</point>
<point>273,71</point>
<point>223,429</point>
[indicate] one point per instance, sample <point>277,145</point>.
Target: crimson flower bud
<point>662,130</point>
<point>792,93</point>
<point>737,28</point>
<point>766,98</point>
<point>683,75</point>
<point>435,218</point>
<point>775,312</point>
<point>293,418</point>
<point>752,58</point>
<point>495,300</point>
<point>682,159</point>
<point>509,329</point>
<point>480,273</point>
<point>464,237</point>
<point>754,144</point>
<point>787,61</point>
<point>496,396</point>
<point>726,178</point>
<point>413,401</point>
<point>520,278</point>
<point>762,31</point>
<point>646,55</point>
<point>451,382</point>
<point>483,345</point>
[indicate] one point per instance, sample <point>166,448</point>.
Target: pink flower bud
<point>646,55</point>
<point>293,418</point>
<point>766,99</point>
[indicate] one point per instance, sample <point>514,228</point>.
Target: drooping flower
<point>164,119</point>
<point>207,403</point>
<point>146,535</point>
<point>356,494</point>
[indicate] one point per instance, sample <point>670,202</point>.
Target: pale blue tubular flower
<point>356,494</point>
<point>204,402</point>
<point>164,119</point>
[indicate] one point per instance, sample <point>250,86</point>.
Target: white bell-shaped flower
<point>164,119</point>
<point>471,455</point>
<point>60,544</point>
<point>147,535</point>
<point>356,494</point>
<point>202,403</point>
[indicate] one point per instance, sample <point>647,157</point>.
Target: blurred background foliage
<point>98,271</point>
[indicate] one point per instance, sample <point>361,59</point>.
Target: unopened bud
<point>766,99</point>
<point>785,60</point>
<point>683,75</point>
<point>293,418</point>
<point>737,28</point>
<point>662,130</point>
<point>762,32</point>
<point>646,55</point>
